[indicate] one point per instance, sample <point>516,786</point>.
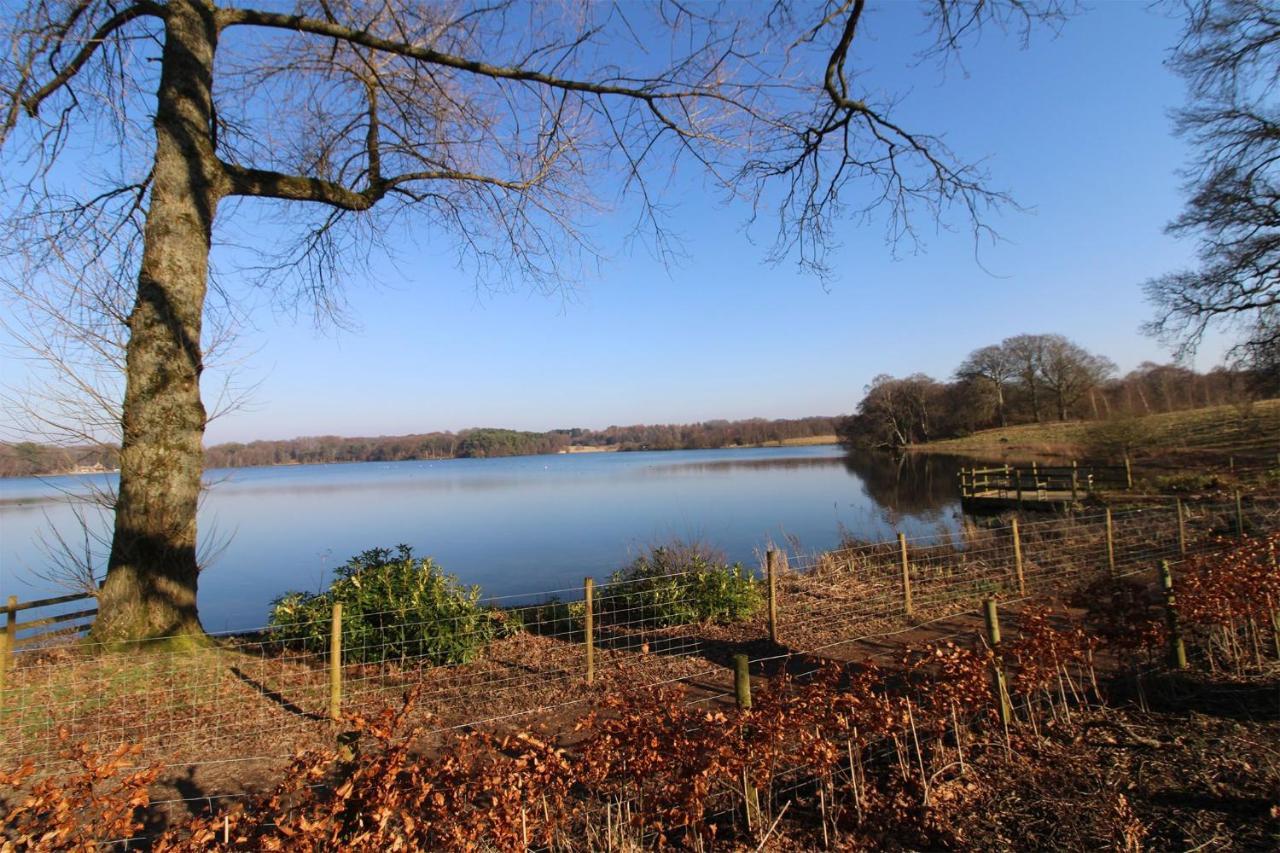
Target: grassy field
<point>799,442</point>
<point>1217,430</point>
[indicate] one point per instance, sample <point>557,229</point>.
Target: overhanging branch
<point>138,10</point>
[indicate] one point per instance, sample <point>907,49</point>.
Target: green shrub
<point>678,584</point>
<point>394,607</point>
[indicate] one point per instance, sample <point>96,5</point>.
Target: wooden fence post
<point>1075,481</point>
<point>771,572</point>
<point>335,664</point>
<point>997,665</point>
<point>1017,558</point>
<point>589,626</point>
<point>742,681</point>
<point>1182,527</point>
<point>1239,516</point>
<point>1017,481</point>
<point>906,576</point>
<point>1177,650</point>
<point>6,647</point>
<point>11,620</point>
<point>1128,474</point>
<point>1111,545</point>
<point>10,630</point>
<point>742,693</point>
<point>1275,624</point>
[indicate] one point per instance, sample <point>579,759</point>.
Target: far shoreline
<point>809,441</point>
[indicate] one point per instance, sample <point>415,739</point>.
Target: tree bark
<point>150,588</point>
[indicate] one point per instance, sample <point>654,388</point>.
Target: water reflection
<point>909,484</point>
<point>720,465</point>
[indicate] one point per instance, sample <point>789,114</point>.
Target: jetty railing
<point>1042,483</point>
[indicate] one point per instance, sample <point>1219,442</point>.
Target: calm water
<point>514,526</point>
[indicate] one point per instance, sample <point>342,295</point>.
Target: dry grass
<point>807,441</point>
<point>1211,429</point>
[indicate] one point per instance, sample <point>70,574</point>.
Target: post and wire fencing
<point>258,697</point>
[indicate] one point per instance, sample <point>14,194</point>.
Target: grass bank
<point>1212,431</point>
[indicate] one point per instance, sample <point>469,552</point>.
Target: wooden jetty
<point>1037,486</point>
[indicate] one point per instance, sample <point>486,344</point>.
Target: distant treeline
<point>487,442</point>
<point>1032,379</point>
<point>28,459</point>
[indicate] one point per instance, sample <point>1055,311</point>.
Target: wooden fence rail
<point>9,639</point>
<point>1032,484</point>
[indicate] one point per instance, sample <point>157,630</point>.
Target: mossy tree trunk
<point>150,588</point>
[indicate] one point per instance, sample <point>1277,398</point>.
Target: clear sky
<point>1076,126</point>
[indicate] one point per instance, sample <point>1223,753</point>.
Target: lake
<point>515,526</point>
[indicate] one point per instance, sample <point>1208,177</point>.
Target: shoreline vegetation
<point>29,459</point>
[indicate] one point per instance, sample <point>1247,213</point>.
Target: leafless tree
<point>1027,353</point>
<point>895,413</point>
<point>1230,58</point>
<point>494,125</point>
<point>1069,371</point>
<point>993,364</point>
<point>71,334</point>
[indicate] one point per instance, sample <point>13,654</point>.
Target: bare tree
<point>1027,353</point>
<point>1230,58</point>
<point>894,413</point>
<point>492,124</point>
<point>1070,372</point>
<point>71,333</point>
<point>993,364</point>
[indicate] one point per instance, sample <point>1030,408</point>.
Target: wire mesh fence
<point>260,696</point>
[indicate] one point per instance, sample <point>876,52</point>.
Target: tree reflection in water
<point>917,484</point>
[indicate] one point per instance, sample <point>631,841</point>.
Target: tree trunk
<point>150,589</point>
<point>1004,421</point>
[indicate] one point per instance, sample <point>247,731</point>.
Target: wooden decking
<point>1037,486</point>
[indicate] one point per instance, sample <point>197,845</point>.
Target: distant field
<point>1216,429</point>
<point>799,442</point>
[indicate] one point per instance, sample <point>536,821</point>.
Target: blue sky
<point>1076,126</point>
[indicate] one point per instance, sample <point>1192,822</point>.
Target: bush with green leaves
<point>394,607</point>
<point>678,584</point>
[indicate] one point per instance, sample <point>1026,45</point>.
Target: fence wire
<point>261,696</point>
